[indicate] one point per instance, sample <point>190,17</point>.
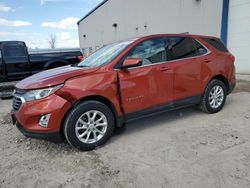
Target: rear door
<point>187,57</point>
<point>16,60</point>
<point>148,85</point>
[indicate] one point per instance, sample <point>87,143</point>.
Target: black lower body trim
<point>231,88</point>
<point>120,121</point>
<point>51,136</point>
<point>190,101</point>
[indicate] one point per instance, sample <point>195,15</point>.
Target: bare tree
<point>52,41</point>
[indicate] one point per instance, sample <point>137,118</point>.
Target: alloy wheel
<point>91,126</point>
<point>216,96</point>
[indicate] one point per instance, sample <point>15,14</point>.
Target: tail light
<point>232,59</point>
<point>80,58</point>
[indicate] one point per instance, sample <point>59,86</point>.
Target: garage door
<point>239,33</point>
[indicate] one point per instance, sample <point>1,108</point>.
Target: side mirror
<point>131,62</point>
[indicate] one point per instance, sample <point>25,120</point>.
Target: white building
<point>114,20</point>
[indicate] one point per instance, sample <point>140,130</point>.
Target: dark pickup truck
<point>17,63</point>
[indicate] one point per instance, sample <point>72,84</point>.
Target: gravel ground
<point>183,148</point>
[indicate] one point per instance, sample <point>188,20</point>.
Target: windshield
<point>104,55</point>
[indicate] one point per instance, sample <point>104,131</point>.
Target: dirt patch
<point>183,148</point>
<point>6,119</point>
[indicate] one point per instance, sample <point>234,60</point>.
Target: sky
<point>34,21</point>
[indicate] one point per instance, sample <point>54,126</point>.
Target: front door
<point>150,84</point>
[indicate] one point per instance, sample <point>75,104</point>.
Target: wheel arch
<point>119,121</point>
<point>223,79</point>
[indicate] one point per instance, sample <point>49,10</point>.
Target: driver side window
<point>150,51</point>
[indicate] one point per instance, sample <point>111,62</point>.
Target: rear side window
<point>14,50</point>
<point>150,51</point>
<point>183,47</point>
<point>216,43</point>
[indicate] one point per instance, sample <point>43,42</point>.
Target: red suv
<point>124,81</point>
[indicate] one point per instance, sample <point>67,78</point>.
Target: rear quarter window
<point>216,43</point>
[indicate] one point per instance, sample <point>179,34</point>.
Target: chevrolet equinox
<point>124,81</point>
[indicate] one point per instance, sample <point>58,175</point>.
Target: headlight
<point>40,93</point>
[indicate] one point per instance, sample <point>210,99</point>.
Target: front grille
<point>17,102</point>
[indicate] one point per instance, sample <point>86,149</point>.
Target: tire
<point>214,88</point>
<point>83,128</point>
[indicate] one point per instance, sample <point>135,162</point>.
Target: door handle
<point>207,60</point>
<point>164,68</point>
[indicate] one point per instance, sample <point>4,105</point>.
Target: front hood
<point>53,77</point>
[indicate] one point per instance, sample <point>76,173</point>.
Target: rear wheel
<point>214,97</point>
<point>88,125</point>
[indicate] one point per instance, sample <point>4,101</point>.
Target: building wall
<point>143,17</point>
<point>239,33</point>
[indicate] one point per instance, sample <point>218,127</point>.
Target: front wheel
<point>88,125</point>
<point>214,97</point>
